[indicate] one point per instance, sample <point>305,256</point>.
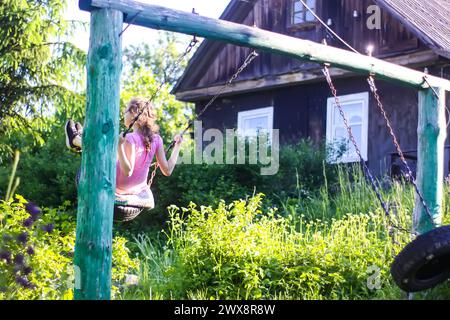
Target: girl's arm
<point>168,166</point>
<point>126,154</point>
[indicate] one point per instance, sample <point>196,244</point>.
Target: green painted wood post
<point>93,247</point>
<point>432,133</point>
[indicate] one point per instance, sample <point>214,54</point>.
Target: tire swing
<point>127,210</point>
<point>425,262</point>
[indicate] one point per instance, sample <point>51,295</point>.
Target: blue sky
<point>134,34</point>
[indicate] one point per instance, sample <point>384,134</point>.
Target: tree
<point>145,68</point>
<point>160,59</point>
<point>39,71</point>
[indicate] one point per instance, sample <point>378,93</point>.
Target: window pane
<point>337,119</point>
<point>352,111</point>
<point>357,133</point>
<point>309,16</point>
<point>311,4</point>
<point>340,134</point>
<point>355,119</point>
<point>298,18</point>
<point>252,125</point>
<point>298,6</point>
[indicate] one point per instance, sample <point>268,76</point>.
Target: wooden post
<point>432,133</point>
<point>98,168</point>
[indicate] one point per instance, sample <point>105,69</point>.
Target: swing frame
<point>97,183</point>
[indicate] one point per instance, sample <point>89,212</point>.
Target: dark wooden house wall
<point>301,112</point>
<point>273,15</point>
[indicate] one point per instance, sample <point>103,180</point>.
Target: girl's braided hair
<point>146,122</point>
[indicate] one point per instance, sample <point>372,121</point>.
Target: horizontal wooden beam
<point>417,59</point>
<point>264,83</point>
<point>157,17</point>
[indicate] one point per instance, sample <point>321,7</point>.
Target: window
<point>300,14</point>
<point>355,108</point>
<point>253,121</point>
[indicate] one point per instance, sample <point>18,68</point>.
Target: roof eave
<point>235,11</point>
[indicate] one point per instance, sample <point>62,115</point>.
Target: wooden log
<point>158,17</point>
<point>430,165</point>
<point>96,189</point>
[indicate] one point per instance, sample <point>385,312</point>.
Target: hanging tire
<point>125,213</point>
<point>425,262</point>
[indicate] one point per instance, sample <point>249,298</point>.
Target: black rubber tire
<point>425,262</point>
<point>125,214</point>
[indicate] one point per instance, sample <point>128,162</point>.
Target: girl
<point>135,151</point>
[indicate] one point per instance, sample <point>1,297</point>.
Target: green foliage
<point>236,252</point>
<point>38,70</point>
<point>160,58</point>
<point>46,270</point>
<point>242,251</point>
<point>48,174</point>
<point>300,175</point>
<point>13,181</point>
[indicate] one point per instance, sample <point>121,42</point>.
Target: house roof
<point>236,11</point>
<point>428,20</point>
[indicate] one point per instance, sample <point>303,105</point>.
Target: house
<point>277,92</point>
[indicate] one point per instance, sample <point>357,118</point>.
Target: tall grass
<point>316,247</point>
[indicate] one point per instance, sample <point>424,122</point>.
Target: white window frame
<point>362,97</point>
<point>255,113</point>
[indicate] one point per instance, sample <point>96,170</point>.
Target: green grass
<point>316,247</point>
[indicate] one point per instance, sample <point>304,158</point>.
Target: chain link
<point>425,79</point>
<point>244,65</point>
<point>367,171</point>
<point>374,90</point>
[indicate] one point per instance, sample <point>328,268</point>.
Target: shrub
<point>237,252</point>
<point>37,252</point>
<point>301,174</point>
<point>328,245</point>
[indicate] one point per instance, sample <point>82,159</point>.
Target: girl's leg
<point>78,139</point>
<point>74,132</point>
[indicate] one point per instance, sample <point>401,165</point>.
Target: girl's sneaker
<point>71,133</point>
<point>79,128</point>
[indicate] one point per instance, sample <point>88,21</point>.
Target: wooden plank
<point>158,17</point>
<point>292,79</point>
<point>98,167</point>
<point>263,83</point>
<point>430,165</point>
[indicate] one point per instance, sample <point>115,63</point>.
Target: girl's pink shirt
<point>137,182</point>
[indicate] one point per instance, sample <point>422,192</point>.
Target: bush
<point>237,252</point>
<point>37,251</point>
<point>331,246</point>
<point>301,174</point>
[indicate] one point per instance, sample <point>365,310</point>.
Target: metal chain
<point>367,171</point>
<point>244,65</point>
<point>438,98</point>
<point>188,49</point>
<point>374,90</point>
<point>129,23</point>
